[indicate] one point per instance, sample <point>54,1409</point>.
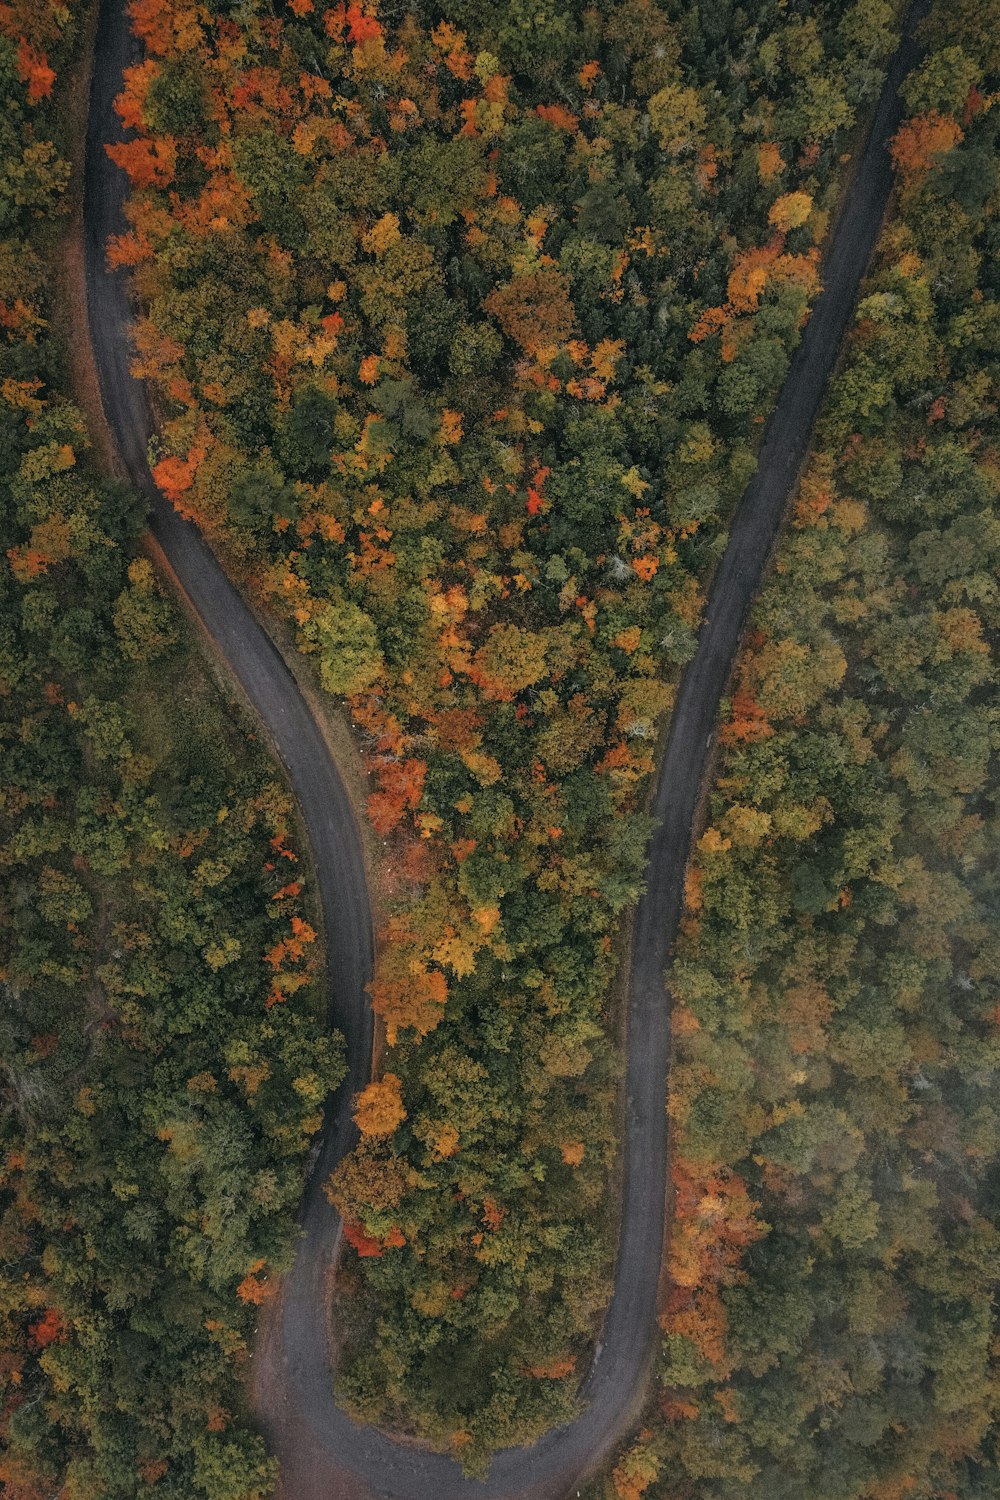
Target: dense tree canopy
<point>831,1326</point>
<point>162,1055</point>
<point>464,322</point>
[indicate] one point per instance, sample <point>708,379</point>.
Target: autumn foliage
<point>921,141</point>
<point>462,330</point>
<point>535,310</point>
<point>156,1093</point>
<point>379,1109</point>
<point>830,1191</point>
<point>34,71</point>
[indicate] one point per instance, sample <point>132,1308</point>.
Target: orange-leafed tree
<point>379,1108</point>
<point>407,993</point>
<point>534,310</point>
<point>33,69</point>
<point>255,1288</point>
<point>919,141</point>
<point>400,786</point>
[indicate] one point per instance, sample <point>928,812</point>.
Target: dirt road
<point>323,1454</point>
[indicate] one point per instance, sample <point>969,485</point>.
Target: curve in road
<point>321,1451</point>
<point>239,638</point>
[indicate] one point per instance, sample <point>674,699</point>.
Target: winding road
<point>322,1452</point>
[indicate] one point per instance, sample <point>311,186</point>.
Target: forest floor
<point>321,1451</point>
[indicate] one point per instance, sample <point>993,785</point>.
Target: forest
<point>163,1053</point>
<point>831,1322</point>
<point>464,329</point>
<point>462,324</point>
